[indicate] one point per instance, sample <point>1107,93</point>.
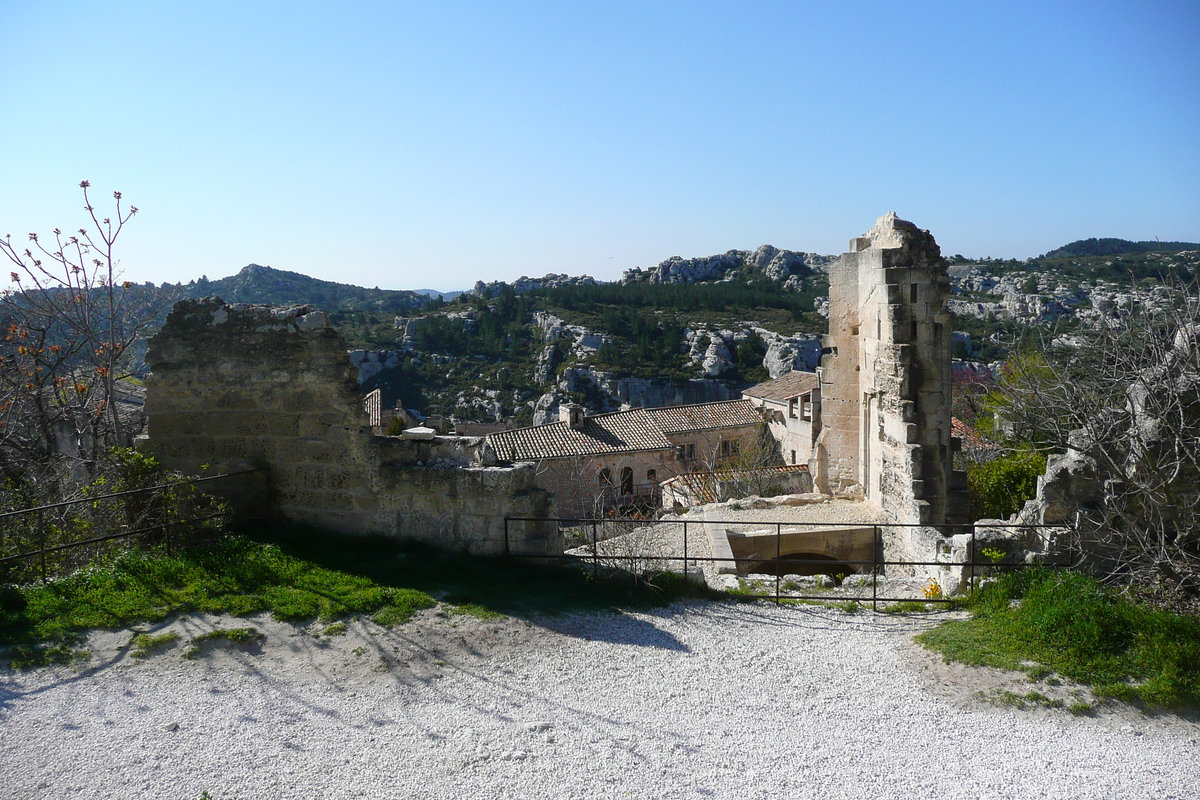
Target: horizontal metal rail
<point>123,535</point>
<point>871,572</point>
<point>126,493</point>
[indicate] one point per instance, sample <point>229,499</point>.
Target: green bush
<point>1001,487</point>
<point>1071,624</point>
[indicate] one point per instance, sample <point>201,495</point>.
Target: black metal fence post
<point>876,549</point>
<point>685,550</point>
<point>778,554</point>
<point>595,553</point>
<point>41,526</point>
<point>971,557</point>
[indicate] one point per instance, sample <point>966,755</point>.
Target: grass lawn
<point>1070,624</point>
<point>298,574</point>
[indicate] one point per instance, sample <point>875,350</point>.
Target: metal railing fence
<point>148,520</point>
<point>686,559</point>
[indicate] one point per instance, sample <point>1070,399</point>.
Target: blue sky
<point>411,145</point>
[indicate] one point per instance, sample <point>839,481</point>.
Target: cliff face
<point>767,262</point>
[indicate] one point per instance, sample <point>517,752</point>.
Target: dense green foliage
<point>999,488</point>
<point>257,284</point>
<point>1112,247</point>
<point>1070,624</point>
<point>686,297</point>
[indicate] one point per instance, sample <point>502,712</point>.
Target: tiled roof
<point>620,431</point>
<point>785,387</point>
<point>969,438</point>
<point>704,416</point>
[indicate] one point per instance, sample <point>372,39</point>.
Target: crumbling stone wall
<point>236,385</point>
<point>885,383</point>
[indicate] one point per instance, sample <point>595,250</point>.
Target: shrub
<point>1001,487</point>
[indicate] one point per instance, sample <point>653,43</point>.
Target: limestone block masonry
<point>239,385</point>
<point>886,384</point>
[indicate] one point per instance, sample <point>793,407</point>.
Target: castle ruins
<point>235,386</point>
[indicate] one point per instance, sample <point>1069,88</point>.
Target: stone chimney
<point>571,414</point>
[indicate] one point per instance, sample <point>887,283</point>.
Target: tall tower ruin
<point>885,378</point>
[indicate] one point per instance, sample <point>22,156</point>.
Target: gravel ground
<point>719,700</point>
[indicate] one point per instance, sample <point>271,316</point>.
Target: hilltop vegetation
<point>1111,247</point>
<point>258,284</point>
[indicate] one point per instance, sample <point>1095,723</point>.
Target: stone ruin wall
<point>886,386</point>
<point>235,386</point>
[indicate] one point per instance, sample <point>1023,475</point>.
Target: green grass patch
<point>1071,625</point>
<point>476,610</point>
<point>145,644</point>
<point>299,574</point>
<point>335,629</point>
<point>235,635</point>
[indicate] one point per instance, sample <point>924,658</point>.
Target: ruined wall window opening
<point>792,408</point>
<point>793,456</point>
<point>806,408</point>
<point>627,480</point>
<point>913,331</point>
<point>912,293</point>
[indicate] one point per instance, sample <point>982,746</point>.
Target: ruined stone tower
<point>885,378</point>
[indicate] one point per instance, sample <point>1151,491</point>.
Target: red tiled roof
<point>785,387</point>
<point>704,416</point>
<point>620,431</point>
<point>969,438</point>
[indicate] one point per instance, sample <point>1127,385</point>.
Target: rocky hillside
<point>258,284</point>
<point>686,330</point>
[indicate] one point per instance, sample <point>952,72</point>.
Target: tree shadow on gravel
<point>512,587</point>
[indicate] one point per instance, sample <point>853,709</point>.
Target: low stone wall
<point>234,386</point>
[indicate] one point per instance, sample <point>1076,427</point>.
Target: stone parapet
<point>233,386</point>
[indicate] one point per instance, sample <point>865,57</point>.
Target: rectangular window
<point>793,456</point>
<point>806,408</point>
<point>725,448</point>
<point>792,408</point>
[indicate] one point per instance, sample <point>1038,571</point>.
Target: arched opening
<point>627,480</point>
<point>802,564</point>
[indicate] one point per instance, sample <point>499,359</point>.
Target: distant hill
<point>1113,247</point>
<point>259,284</point>
<point>436,295</point>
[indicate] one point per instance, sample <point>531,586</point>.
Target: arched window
<point>627,480</point>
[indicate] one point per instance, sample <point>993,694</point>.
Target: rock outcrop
<point>766,262</point>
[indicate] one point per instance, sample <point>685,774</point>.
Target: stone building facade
<point>235,386</point>
<point>791,407</point>
<point>885,383</point>
<point>594,464</point>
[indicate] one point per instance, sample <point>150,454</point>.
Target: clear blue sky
<point>412,145</point>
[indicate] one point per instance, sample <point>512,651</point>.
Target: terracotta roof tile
<point>785,387</point>
<point>620,431</point>
<point>705,416</point>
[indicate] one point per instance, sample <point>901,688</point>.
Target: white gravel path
<point>714,700</point>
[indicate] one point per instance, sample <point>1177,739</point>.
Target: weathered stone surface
<point>237,386</point>
<point>885,384</point>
